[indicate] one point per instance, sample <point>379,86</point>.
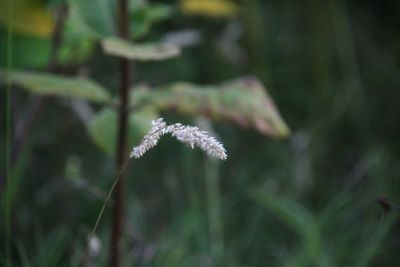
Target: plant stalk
<point>118,214</point>
<point>214,211</point>
<point>9,140</point>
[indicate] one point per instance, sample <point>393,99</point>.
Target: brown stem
<point>117,220</point>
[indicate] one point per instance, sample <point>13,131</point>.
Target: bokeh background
<point>325,194</point>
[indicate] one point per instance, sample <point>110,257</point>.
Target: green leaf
<point>92,17</point>
<point>139,25</point>
<point>75,48</point>
<point>34,52</point>
<point>158,12</point>
<point>103,128</point>
<point>372,247</point>
<point>296,217</point>
<point>49,84</point>
<point>245,102</point>
<point>51,249</point>
<point>150,51</point>
<point>31,24</point>
<point>144,15</point>
<point>27,51</point>
<point>300,220</point>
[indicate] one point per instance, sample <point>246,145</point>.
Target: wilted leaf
<point>49,84</point>
<point>244,102</point>
<point>103,128</point>
<point>150,51</point>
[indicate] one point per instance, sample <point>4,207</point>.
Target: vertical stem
<point>8,141</point>
<point>214,211</point>
<point>57,37</point>
<point>117,220</point>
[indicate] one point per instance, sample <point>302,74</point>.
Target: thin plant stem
<point>214,210</point>
<point>118,207</point>
<point>8,183</point>
<point>100,215</point>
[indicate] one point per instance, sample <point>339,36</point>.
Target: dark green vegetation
<point>326,195</point>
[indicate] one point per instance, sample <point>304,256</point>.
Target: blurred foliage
<point>47,84</point>
<point>328,195</point>
<point>210,8</point>
<point>103,127</point>
<point>93,17</point>
<point>144,16</point>
<point>153,51</point>
<point>34,19</point>
<point>243,102</point>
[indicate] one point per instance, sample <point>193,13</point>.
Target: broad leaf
<point>244,102</point>
<point>103,128</point>
<point>31,24</point>
<point>27,51</point>
<point>149,51</point>
<point>49,84</point>
<point>92,17</point>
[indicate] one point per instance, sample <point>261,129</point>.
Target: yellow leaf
<point>28,17</point>
<point>211,8</point>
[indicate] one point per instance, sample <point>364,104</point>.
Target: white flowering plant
<point>189,135</point>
